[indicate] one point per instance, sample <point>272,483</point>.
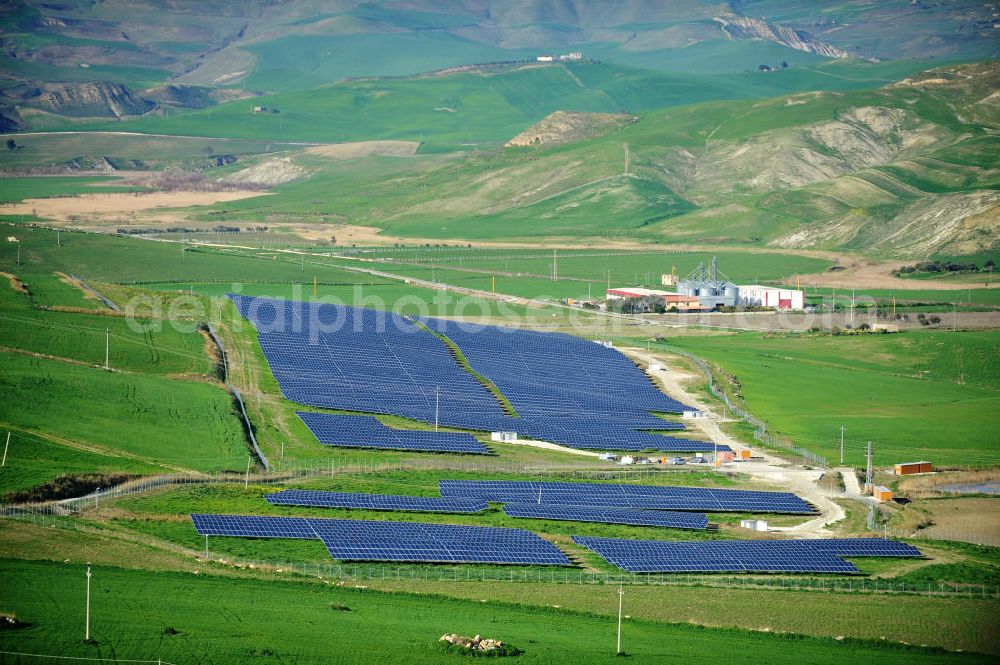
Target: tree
<point>11,144</point>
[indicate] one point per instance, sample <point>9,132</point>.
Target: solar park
<point>558,388</point>
<point>564,389</point>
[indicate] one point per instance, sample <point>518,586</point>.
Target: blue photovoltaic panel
<point>364,540</point>
<point>253,526</point>
<point>628,496</point>
<point>368,432</point>
<point>350,540</point>
<point>607,515</point>
<point>565,389</point>
<point>818,556</point>
<point>864,547</point>
<point>376,501</point>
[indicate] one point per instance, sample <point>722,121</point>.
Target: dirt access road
<point>674,380</point>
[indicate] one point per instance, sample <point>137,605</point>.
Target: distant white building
<point>575,55</point>
<point>546,58</point>
<point>768,296</point>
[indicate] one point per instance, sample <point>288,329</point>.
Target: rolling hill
<point>906,169</point>
<point>246,46</point>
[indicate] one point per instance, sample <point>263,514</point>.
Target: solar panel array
<point>253,526</point>
<point>766,556</point>
<point>628,496</point>
<point>368,432</point>
<point>554,374</point>
<point>602,515</point>
<point>421,504</point>
<point>566,390</point>
<point>362,360</point>
<point>355,540</point>
<point>364,540</point>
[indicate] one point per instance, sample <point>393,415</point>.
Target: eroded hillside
<point>907,169</point>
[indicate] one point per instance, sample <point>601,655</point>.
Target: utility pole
<point>437,404</point>
<point>626,160</point>
<point>206,546</point>
<point>246,480</point>
<point>868,472</point>
<point>555,266</point>
<point>107,349</point>
<point>97,498</point>
<point>852,305</point>
<point>5,447</point>
<point>621,595</point>
<point>86,634</point>
<point>841,445</point>
<point>282,449</point>
<point>954,316</point>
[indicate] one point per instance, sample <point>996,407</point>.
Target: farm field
<point>472,108</point>
<point>184,615</point>
<point>33,461</point>
<point>127,151</point>
<point>916,395</point>
<point>796,612</point>
<point>17,189</point>
<point>515,268</point>
<point>178,424</point>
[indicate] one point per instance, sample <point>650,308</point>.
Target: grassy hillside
<point>485,108</point>
<point>185,424</point>
<point>917,395</point>
<point>176,622</point>
<point>123,151</point>
<point>869,170</point>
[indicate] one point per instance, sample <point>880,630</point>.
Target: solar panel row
<point>806,556</point>
<point>607,515</point>
<point>565,389</point>
<point>368,432</point>
<point>363,540</point>
<point>376,501</point>
<point>628,496</point>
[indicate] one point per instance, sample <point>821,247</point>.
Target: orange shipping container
<point>882,494</point>
<point>744,454</point>
<point>909,468</point>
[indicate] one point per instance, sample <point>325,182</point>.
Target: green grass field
<point>476,108</point>
<point>916,395</point>
<point>13,190</point>
<point>185,424</point>
<point>51,290</point>
<point>33,460</point>
<point>595,267</point>
<point>177,616</point>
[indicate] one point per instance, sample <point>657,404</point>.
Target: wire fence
<point>761,433</point>
<point>361,573</point>
<point>247,425</point>
<point>296,470</point>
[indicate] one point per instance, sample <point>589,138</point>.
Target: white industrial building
<point>769,296</point>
